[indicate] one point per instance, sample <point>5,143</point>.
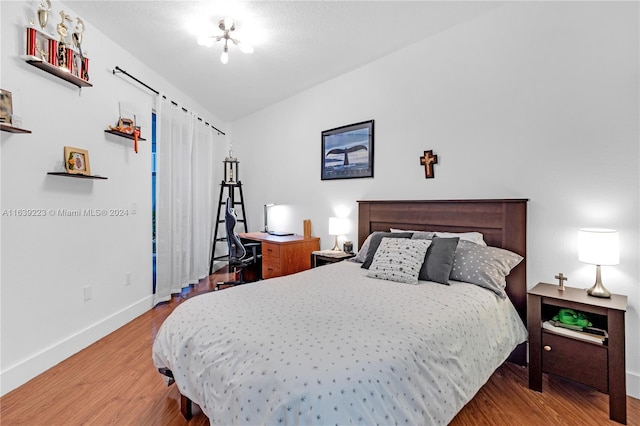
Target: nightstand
<point>324,257</point>
<point>600,366</point>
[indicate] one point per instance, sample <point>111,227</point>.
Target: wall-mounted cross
<point>428,160</point>
<point>561,279</point>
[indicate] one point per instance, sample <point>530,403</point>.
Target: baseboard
<point>633,385</point>
<point>20,373</point>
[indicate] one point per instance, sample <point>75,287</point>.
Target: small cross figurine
<point>428,160</point>
<point>561,278</point>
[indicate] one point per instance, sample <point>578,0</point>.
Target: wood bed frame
<point>503,223</point>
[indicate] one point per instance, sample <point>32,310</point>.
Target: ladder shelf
<point>230,188</point>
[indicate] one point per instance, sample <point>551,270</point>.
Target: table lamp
<point>598,247</point>
<point>266,217</point>
<point>338,226</point>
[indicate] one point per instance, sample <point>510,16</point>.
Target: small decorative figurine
<point>61,27</point>
<point>128,126</point>
<point>561,279</point>
<point>125,125</point>
<point>41,51</point>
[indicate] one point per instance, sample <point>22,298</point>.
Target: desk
<point>284,255</point>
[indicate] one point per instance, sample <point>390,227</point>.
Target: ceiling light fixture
<point>227,26</point>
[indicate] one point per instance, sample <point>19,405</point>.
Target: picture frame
<point>76,161</point>
<point>6,106</point>
<point>347,151</point>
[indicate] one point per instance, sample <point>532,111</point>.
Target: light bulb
<point>224,58</point>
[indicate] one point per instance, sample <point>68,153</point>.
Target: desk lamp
<point>338,226</point>
<point>266,218</point>
<point>598,247</point>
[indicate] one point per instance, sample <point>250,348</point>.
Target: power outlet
<point>87,293</point>
<point>127,278</point>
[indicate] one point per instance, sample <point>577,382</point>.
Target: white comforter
<point>330,346</point>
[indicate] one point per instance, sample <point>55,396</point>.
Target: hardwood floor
<point>114,382</point>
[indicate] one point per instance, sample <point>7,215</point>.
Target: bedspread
<point>331,346</point>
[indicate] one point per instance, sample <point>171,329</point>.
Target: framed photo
<point>76,161</point>
<point>6,106</point>
<point>347,152</point>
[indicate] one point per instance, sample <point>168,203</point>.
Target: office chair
<point>239,258</point>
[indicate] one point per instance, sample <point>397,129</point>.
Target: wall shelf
<point>74,175</point>
<point>123,135</point>
<point>11,129</point>
<point>58,72</point>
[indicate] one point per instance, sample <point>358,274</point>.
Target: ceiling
<point>298,44</point>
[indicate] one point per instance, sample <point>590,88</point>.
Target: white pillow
<point>474,237</point>
<point>399,259</point>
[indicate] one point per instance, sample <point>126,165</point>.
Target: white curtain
<point>184,199</point>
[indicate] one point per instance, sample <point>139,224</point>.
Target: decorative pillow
<point>439,260</point>
<point>362,253</point>
<point>375,242</point>
<point>484,266</point>
<point>399,259</point>
<point>474,237</point>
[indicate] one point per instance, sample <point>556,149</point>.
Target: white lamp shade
<point>598,246</point>
<point>338,225</point>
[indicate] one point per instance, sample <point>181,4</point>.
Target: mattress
<point>332,346</point>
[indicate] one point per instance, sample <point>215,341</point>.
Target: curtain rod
<point>120,70</point>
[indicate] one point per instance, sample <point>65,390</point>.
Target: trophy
<point>77,42</point>
<point>77,34</point>
<point>43,13</point>
<point>62,30</point>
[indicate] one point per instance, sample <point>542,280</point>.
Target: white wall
<point>536,100</point>
<point>47,261</point>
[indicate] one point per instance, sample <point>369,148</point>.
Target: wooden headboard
<point>502,222</point>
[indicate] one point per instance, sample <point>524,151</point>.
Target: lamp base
<point>336,247</point>
<point>598,290</point>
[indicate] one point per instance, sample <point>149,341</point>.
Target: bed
<point>333,345</point>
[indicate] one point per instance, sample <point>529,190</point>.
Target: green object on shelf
<point>569,316</point>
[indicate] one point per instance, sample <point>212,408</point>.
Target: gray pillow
<point>439,260</point>
<point>484,266</point>
<point>376,238</point>
<point>422,235</point>
<point>398,259</point>
<point>362,253</point>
